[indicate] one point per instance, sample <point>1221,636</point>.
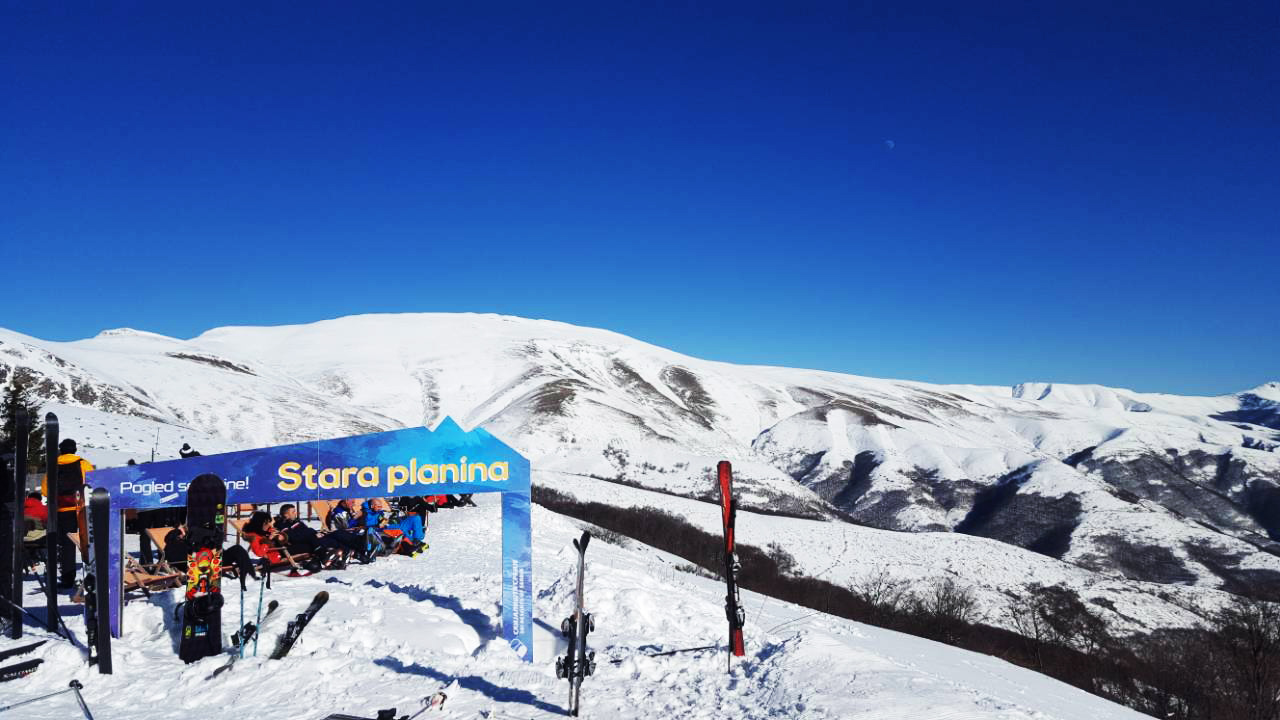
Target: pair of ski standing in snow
<point>579,663</point>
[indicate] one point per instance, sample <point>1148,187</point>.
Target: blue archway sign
<point>416,461</point>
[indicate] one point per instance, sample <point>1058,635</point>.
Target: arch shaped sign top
<point>415,461</point>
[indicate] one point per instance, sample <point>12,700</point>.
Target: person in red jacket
<point>35,509</point>
<point>265,541</point>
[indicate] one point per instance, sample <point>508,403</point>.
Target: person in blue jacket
<point>377,514</point>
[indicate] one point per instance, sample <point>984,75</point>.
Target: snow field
<point>846,554</point>
<point>401,629</point>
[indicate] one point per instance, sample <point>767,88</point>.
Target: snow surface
<point>992,570</point>
<point>401,629</point>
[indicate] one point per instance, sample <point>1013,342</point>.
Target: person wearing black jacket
<point>177,548</point>
<point>70,481</point>
<point>303,538</point>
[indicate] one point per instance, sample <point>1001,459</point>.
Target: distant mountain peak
<point>1269,390</point>
<point>125,332</point>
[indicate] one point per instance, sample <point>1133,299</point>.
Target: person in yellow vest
<point>68,504</point>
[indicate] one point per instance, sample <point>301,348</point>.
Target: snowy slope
<point>1151,488</point>
<point>401,629</point>
<point>995,572</point>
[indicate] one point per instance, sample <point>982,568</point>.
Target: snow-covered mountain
<point>1114,491</point>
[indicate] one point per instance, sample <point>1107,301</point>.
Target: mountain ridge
<point>1143,487</point>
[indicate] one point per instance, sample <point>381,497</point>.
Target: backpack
<point>70,482</point>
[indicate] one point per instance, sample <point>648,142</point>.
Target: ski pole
<point>266,578</point>
<point>65,632</point>
<point>242,584</point>
<point>37,621</point>
<point>75,687</point>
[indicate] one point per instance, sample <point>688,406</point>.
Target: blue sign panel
<point>412,462</point>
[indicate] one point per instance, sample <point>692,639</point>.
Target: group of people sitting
<point>355,529</point>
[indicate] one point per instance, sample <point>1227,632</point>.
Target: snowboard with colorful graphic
<point>202,609</point>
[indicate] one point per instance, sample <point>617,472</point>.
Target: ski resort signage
<point>411,462</point>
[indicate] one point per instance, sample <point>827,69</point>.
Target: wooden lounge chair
<point>157,536</point>
<point>137,577</point>
<point>322,508</point>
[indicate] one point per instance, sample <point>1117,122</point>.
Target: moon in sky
<point>889,144</point>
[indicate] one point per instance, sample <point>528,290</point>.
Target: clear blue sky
<point>1075,192</point>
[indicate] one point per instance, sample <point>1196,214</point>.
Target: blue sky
<point>1076,193</point>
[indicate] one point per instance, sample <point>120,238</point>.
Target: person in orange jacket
<point>68,504</point>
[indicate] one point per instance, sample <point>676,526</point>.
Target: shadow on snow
<point>474,683</point>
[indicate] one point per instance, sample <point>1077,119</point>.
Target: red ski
<point>732,604</point>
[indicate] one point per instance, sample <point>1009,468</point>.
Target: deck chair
<point>163,569</point>
<point>138,578</point>
<point>241,512</point>
<point>322,508</point>
<point>157,536</point>
<point>33,543</point>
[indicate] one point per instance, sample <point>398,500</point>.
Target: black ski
<point>97,622</point>
<point>664,653</point>
<point>578,663</point>
<point>22,669</point>
<point>290,636</point>
<point>245,636</point>
<point>52,531</point>
<point>13,593</point>
<point>15,652</point>
<point>435,702</point>
<point>247,633</point>
<point>732,604</point>
<point>202,609</point>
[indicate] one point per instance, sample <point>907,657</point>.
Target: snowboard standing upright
<point>732,603</point>
<point>202,610</point>
<point>577,663</point>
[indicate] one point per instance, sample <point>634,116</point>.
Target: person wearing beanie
<point>72,470</point>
